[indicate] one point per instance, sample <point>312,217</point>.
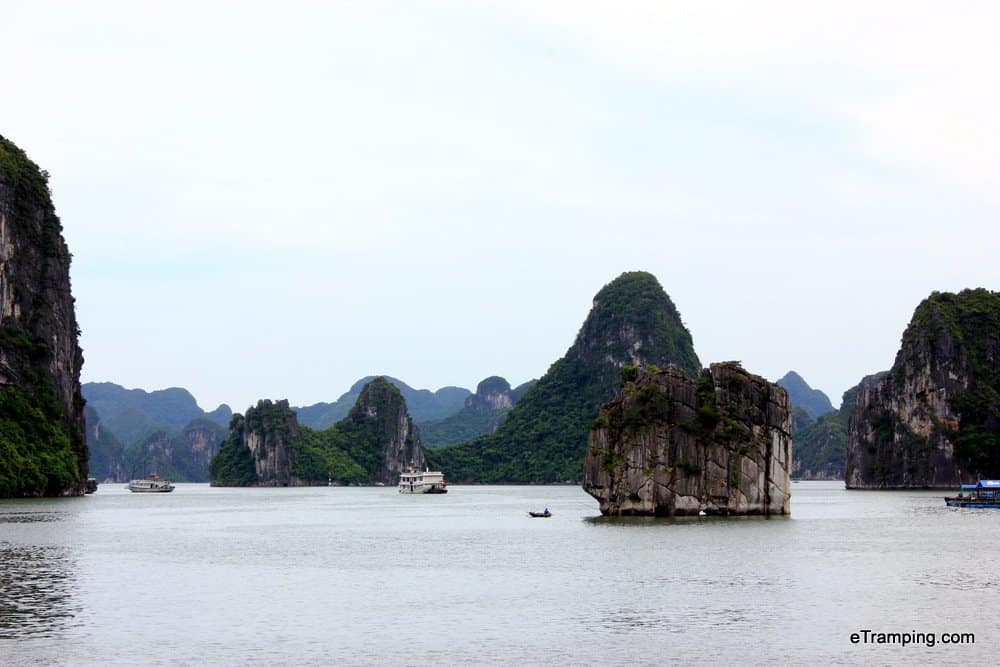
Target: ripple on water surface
<point>36,590</point>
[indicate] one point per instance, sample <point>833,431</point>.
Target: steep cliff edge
<point>372,444</point>
<point>381,421</point>
<point>544,437</point>
<point>933,421</point>
<point>42,445</point>
<point>670,445</point>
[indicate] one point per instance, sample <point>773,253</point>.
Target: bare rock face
<point>670,445</point>
<point>933,420</point>
<point>492,394</point>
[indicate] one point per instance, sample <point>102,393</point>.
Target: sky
<point>273,200</point>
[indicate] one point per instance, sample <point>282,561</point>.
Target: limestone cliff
<point>268,433</point>
<point>670,445</point>
<point>372,444</point>
<point>382,410</point>
<point>42,446</point>
<point>492,394</point>
<point>933,421</point>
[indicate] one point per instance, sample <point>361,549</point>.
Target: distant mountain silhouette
<point>813,401</point>
<point>423,404</point>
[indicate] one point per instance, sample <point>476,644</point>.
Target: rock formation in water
<point>544,437</point>
<point>670,445</point>
<point>374,443</point>
<point>382,410</point>
<point>933,421</point>
<point>42,446</point>
<point>260,448</point>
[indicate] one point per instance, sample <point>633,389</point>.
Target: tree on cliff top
<point>544,438</point>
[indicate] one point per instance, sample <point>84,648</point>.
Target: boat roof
<point>988,484</point>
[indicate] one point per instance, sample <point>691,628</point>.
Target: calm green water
<point>339,576</point>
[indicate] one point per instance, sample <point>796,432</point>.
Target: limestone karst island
<point>42,446</point>
<point>628,412</point>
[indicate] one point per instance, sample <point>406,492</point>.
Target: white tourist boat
<point>154,484</point>
<point>425,481</point>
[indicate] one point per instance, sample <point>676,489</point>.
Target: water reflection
<point>29,517</point>
<point>37,597</point>
<point>689,520</point>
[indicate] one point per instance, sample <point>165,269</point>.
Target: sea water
<point>366,576</point>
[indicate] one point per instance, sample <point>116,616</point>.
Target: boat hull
<point>972,503</point>
<point>417,488</point>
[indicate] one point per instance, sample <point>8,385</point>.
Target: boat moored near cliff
<point>427,481</point>
<point>154,484</point>
<point>983,494</point>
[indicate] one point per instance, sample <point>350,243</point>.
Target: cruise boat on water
<point>985,493</point>
<point>154,484</point>
<point>426,481</point>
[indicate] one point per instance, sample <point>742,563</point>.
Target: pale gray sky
<point>272,199</point>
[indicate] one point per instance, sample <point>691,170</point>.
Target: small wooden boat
<point>540,515</point>
<point>985,494</point>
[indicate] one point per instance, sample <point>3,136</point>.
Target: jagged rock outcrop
<point>933,421</point>
<point>670,445</point>
<point>492,394</point>
<point>398,438</point>
<point>269,431</point>
<point>42,446</point>
<point>374,443</point>
<point>544,437</point>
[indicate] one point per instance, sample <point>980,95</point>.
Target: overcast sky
<point>274,199</point>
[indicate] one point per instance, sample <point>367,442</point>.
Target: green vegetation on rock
<point>971,319</point>
<point>233,465</point>
<point>352,451</point>
<point>42,449</point>
<point>544,438</point>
